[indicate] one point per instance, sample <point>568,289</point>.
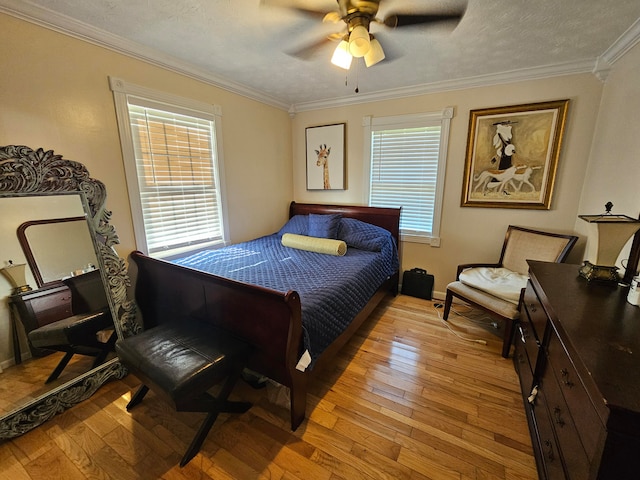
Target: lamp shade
<point>359,43</point>
<point>16,276</point>
<point>612,233</point>
<point>375,53</point>
<point>341,56</point>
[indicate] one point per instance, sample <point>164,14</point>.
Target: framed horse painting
<point>326,157</point>
<point>512,155</point>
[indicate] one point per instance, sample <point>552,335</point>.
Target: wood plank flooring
<point>19,384</point>
<point>405,399</point>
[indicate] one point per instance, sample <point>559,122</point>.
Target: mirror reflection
<point>62,327</point>
<point>51,257</point>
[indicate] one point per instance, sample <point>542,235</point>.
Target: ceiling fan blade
<point>408,20</point>
<point>290,6</point>
<point>307,51</point>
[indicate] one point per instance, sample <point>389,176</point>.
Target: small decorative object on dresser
<point>576,355</point>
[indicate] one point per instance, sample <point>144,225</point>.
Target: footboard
<point>269,320</point>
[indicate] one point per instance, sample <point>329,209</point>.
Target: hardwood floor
<point>24,382</point>
<point>405,399</point>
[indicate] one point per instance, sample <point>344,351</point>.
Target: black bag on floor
<point>417,283</point>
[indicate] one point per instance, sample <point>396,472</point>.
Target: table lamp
<point>612,233</point>
<point>16,276</point>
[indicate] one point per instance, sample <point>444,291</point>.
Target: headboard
<point>387,218</point>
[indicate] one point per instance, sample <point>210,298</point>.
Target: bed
<point>297,317</point>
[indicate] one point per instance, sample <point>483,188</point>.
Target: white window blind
<point>404,170</point>
<point>173,162</point>
<point>176,177</point>
<point>407,157</point>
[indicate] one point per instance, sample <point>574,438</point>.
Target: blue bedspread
<point>332,289</point>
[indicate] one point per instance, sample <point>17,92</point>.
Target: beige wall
<point>467,233</point>
<point>54,94</point>
<point>614,167</point>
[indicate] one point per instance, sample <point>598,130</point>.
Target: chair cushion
<point>183,359</point>
<point>76,330</point>
<point>499,282</point>
<point>490,302</point>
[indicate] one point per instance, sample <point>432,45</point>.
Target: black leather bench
<point>180,362</point>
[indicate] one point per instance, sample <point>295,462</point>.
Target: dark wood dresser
<point>577,353</point>
<point>40,307</point>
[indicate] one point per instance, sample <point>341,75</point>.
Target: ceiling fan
<point>355,40</point>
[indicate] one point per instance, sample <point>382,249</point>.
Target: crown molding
<point>599,66</point>
<point>583,66</point>
<point>73,28</point>
<point>622,45</point>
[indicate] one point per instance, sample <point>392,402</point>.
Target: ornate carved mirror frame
<point>24,171</point>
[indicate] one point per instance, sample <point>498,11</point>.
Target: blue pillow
<point>362,235</point>
<point>298,224</point>
<point>324,226</point>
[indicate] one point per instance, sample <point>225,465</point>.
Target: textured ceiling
<point>245,43</point>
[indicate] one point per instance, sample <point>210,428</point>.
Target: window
<point>173,168</point>
<point>406,158</point>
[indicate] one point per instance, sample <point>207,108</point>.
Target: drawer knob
<point>557,415</point>
<point>550,456</point>
<point>565,378</point>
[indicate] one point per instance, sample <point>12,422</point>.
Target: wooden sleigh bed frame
<point>166,292</point>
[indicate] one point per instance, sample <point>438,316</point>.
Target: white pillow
<point>499,282</point>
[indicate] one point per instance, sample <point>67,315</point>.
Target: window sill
<point>412,238</point>
<point>188,250</point>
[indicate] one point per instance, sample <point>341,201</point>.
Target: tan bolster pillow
<point>314,244</point>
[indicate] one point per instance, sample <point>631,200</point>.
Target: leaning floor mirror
<point>63,288</point>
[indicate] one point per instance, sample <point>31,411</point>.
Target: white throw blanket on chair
<point>499,282</point>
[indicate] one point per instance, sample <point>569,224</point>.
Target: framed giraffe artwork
<point>325,148</point>
<point>512,155</point>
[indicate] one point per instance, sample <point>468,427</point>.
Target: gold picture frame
<point>512,155</point>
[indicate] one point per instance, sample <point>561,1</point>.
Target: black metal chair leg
<point>58,370</point>
<point>137,397</point>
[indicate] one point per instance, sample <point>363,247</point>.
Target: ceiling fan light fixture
<point>341,56</point>
<point>359,43</point>
<point>375,53</point>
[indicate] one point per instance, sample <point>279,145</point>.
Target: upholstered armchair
<point>498,288</point>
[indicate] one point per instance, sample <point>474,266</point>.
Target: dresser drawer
<point>525,335</point>
<point>536,314</point>
<point>51,308</point>
<point>523,365</point>
<point>547,446</point>
<point>587,421</point>
<point>573,453</point>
